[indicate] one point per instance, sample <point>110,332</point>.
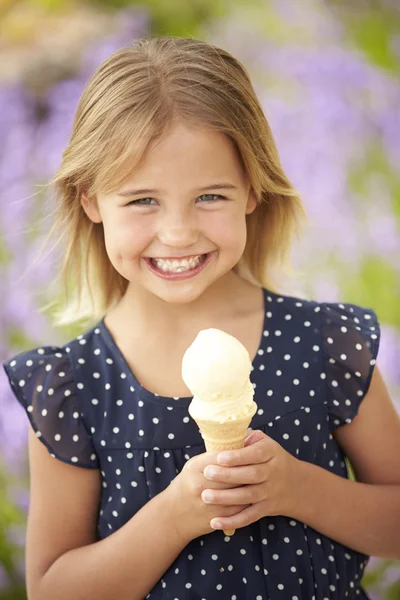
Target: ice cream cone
<point>229,435</point>
<point>216,368</point>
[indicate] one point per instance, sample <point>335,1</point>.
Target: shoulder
<point>48,361</point>
<point>345,316</point>
<point>44,383</point>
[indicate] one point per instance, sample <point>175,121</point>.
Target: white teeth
<point>177,266</point>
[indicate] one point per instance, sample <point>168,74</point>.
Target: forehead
<point>188,153</point>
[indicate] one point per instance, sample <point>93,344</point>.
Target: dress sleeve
<point>351,336</point>
<point>42,381</point>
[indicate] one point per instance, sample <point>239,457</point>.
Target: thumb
<point>253,437</point>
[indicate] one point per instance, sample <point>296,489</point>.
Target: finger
<point>241,519</point>
<point>237,475</point>
<point>260,451</point>
<point>253,437</point>
<point>247,494</point>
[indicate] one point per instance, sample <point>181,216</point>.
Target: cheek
<point>126,238</point>
<point>228,230</point>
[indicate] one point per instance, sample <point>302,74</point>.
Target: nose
<point>178,229</point>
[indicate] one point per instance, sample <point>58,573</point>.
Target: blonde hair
<point>130,101</point>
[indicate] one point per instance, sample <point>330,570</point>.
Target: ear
<point>251,203</point>
<point>90,207</point>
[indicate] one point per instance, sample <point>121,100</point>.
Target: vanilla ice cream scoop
<point>216,368</point>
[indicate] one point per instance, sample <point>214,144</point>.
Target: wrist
<point>301,489</point>
<point>172,509</point>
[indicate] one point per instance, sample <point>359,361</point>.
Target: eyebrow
<point>215,186</point>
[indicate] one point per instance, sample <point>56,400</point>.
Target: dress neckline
<point>146,394</point>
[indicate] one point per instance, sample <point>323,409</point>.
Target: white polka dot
<point>131,417</point>
<point>171,436</point>
<point>287,398</point>
<point>141,432</point>
<point>275,556</point>
<point>214,556</point>
<point>95,401</point>
<point>287,357</point>
<point>96,375</point>
<point>57,437</point>
<point>296,381</point>
<point>278,333</point>
<point>358,347</point>
<point>21,383</point>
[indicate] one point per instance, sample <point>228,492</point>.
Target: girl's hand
<point>266,475</point>
<point>190,515</point>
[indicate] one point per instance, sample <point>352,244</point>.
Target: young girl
<point>177,213</point>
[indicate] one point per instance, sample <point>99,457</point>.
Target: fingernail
<point>215,524</point>
<point>207,496</point>
<point>209,472</point>
<point>223,458</point>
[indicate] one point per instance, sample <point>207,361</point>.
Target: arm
<point>126,565</point>
<point>65,561</point>
<point>364,515</point>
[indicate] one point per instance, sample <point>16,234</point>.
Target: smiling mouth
<point>178,265</point>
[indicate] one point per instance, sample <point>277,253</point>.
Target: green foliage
<point>11,517</point>
<point>372,33</point>
<point>175,17</point>
<point>376,285</point>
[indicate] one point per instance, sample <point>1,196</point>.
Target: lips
<point>178,268</point>
<point>177,265</point>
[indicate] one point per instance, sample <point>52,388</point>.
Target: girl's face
<point>177,225</point>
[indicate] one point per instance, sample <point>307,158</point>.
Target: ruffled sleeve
<point>351,336</point>
<point>42,381</point>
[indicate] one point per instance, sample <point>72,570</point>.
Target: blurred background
<point>327,74</point>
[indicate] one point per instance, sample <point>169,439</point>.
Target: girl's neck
<point>228,296</point>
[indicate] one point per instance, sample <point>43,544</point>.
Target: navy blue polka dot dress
<point>311,371</point>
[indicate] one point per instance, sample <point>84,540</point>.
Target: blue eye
<point>142,202</point>
<point>213,196</point>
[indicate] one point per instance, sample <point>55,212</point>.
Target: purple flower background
<point>336,120</point>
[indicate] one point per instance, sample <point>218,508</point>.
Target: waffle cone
<point>229,435</point>
<point>224,436</point>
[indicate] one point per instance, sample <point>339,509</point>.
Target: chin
<point>182,294</point>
